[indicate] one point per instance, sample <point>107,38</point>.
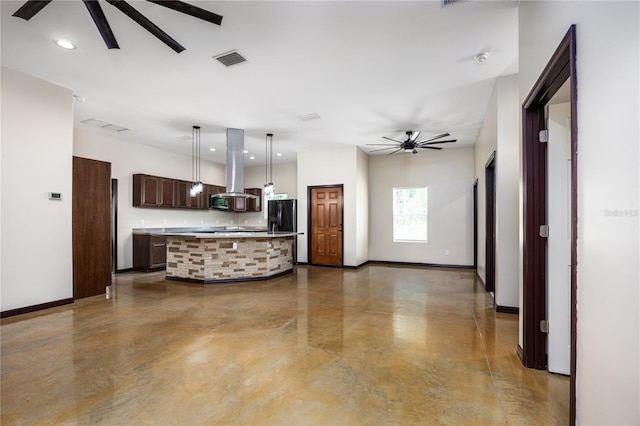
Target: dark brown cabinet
<point>238,204</point>
<point>153,191</point>
<point>159,192</point>
<point>149,252</point>
<point>184,200</point>
<point>254,204</point>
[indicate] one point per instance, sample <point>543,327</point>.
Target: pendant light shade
<point>196,187</point>
<point>268,169</point>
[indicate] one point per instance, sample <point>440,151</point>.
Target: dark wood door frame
<point>309,220</point>
<point>475,225</point>
<point>561,66</point>
<point>114,226</point>
<point>490,224</point>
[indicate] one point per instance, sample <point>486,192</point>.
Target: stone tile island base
<point>218,260</point>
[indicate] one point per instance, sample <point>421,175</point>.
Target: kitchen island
<point>218,256</point>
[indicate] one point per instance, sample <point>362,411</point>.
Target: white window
<point>410,215</point>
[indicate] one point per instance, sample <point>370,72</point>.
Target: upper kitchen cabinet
<point>184,200</point>
<point>254,204</point>
<point>153,191</point>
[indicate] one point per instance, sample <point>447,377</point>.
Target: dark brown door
<point>490,175</point>
<point>326,225</point>
<point>91,223</point>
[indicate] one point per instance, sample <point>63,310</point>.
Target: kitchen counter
<point>198,230</point>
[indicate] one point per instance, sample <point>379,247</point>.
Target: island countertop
<point>215,232</point>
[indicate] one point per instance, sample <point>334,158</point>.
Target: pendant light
<point>196,188</point>
<point>268,170</point>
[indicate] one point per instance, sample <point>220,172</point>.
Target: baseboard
<point>424,265</point>
<point>122,271</point>
<point>34,308</point>
<point>520,353</point>
<point>508,309</point>
<point>392,263</point>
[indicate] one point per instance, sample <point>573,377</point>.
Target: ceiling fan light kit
<point>410,144</point>
<point>31,7</point>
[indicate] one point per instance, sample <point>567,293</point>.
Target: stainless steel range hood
<point>235,165</point>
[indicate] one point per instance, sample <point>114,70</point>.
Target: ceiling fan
<point>32,7</point>
<point>411,145</point>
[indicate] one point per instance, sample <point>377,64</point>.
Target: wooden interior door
<point>490,177</point>
<point>91,224</point>
<point>326,225</point>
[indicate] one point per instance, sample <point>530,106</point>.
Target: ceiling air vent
<point>103,124</point>
<point>450,2</point>
<point>309,117</point>
<point>230,58</point>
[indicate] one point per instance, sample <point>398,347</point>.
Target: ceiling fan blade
<point>381,144</point>
<point>188,9</point>
<point>101,22</point>
<point>434,138</point>
<point>139,18</point>
<point>414,136</point>
<point>30,8</point>
<point>430,147</point>
<point>383,149</point>
<point>435,142</point>
<point>399,149</point>
<point>384,137</point>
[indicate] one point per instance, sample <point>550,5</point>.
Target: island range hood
<point>235,165</point>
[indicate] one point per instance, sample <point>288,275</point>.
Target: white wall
<point>449,176</point>
<point>607,378</point>
<point>500,133</point>
<point>37,121</point>
<point>332,167</point>
<point>507,192</point>
<point>129,158</point>
<point>362,207</point>
<point>486,144</point>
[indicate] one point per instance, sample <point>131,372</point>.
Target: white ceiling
<point>368,69</point>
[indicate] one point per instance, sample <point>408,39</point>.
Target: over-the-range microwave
<point>218,203</point>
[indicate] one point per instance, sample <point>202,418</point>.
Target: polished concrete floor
<point>378,345</point>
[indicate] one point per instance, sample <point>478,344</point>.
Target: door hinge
<point>543,136</point>
<point>544,326</point>
<point>544,231</point>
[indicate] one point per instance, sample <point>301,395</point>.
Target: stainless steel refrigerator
<point>283,218</point>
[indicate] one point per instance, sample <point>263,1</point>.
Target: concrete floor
<point>379,345</point>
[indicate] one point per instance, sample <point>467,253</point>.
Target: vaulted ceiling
<point>367,69</point>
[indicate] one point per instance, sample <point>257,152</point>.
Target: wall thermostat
<point>55,195</point>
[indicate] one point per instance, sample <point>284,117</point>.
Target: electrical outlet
<point>235,246</point>
<point>446,252</point>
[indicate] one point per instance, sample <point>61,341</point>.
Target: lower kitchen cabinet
<point>149,252</point>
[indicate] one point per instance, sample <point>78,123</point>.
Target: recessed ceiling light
<point>212,149</point>
<point>245,151</point>
<point>252,158</point>
<point>279,154</point>
<point>65,44</point>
